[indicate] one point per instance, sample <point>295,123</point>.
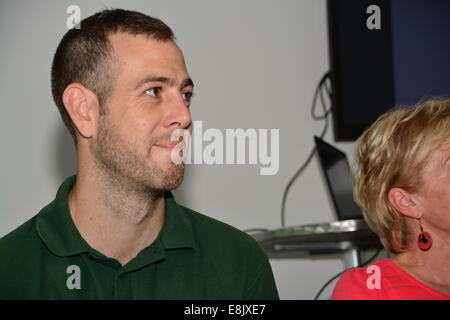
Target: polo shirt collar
<point>57,230</point>
<point>55,226</point>
<point>177,232</point>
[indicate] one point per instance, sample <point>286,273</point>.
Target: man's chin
<point>169,179</point>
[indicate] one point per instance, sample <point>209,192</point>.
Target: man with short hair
<point>114,230</point>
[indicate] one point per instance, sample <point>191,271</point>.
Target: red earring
<point>425,240</point>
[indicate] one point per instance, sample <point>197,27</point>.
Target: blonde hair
<point>391,153</point>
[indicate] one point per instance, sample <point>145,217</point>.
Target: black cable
<point>317,92</point>
<point>322,83</point>
<point>340,273</point>
<point>325,115</point>
<point>327,86</point>
<point>325,111</point>
<point>286,190</point>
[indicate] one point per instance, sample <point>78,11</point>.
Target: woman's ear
<point>83,108</point>
<point>405,203</point>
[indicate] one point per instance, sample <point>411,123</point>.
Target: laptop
<point>335,168</point>
<point>350,232</point>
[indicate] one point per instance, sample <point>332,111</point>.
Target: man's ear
<point>405,203</point>
<point>83,108</point>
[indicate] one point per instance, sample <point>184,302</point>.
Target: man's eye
<point>153,92</point>
<point>187,95</point>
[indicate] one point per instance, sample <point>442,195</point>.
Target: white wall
<point>255,65</point>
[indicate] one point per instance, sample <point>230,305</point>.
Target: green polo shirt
<point>193,257</point>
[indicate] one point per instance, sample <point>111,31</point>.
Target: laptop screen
<point>336,170</point>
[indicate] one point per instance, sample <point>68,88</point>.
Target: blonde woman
<point>402,183</point>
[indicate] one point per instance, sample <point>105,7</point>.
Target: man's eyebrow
<point>186,83</point>
<point>168,81</point>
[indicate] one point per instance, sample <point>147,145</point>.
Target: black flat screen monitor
<point>336,170</point>
<point>385,54</point>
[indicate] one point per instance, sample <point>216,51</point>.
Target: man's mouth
<point>168,146</point>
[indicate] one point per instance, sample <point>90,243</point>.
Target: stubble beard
<point>128,167</point>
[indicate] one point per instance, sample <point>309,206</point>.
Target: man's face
<point>150,98</point>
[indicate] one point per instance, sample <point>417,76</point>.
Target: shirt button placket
<point>122,287</point>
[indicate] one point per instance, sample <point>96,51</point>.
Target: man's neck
<point>115,218</point>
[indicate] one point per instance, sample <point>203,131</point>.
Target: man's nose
<point>179,115</point>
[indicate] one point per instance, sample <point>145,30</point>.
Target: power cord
<point>340,273</point>
<point>326,111</point>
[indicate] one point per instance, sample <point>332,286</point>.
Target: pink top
<point>383,280</point>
